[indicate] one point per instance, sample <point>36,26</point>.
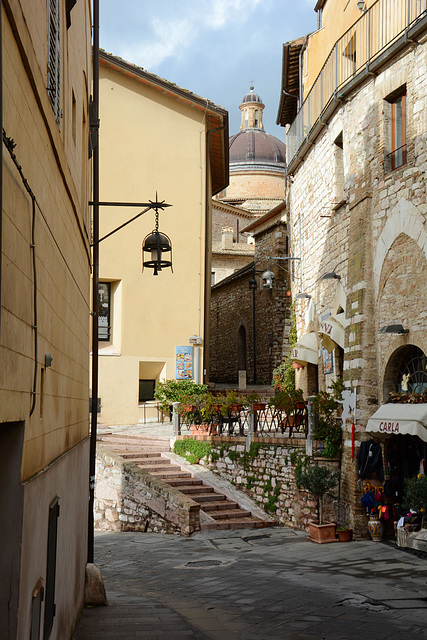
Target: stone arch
<point>400,361</point>
<point>405,219</point>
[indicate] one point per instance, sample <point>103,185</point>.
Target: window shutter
<point>54,57</point>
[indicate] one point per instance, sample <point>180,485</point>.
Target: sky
<point>214,48</point>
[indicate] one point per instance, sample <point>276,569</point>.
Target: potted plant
<point>254,402</point>
<point>344,532</point>
<point>169,391</point>
<point>318,481</point>
<point>231,402</point>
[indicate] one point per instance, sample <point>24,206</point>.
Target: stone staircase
<point>217,511</point>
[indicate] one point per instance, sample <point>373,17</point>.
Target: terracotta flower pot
<point>322,533</point>
<point>344,535</point>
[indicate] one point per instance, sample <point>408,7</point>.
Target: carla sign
<point>389,427</point>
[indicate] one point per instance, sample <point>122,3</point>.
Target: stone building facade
<point>358,213</point>
<point>231,249</point>
<point>247,321</point>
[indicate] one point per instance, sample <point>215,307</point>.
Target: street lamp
<point>156,244</point>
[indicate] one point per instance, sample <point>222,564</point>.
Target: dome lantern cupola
<point>251,108</point>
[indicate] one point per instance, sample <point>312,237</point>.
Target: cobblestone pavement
<point>244,585</point>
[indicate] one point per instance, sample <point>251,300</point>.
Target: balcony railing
<point>377,28</point>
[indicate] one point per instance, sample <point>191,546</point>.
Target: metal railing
<point>376,29</point>
<point>267,421</point>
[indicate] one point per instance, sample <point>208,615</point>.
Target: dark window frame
<point>105,334</point>
<point>398,152</point>
<point>146,397</point>
<point>52,539</point>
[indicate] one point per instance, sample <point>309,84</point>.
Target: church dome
<point>252,97</point>
<point>255,146</point>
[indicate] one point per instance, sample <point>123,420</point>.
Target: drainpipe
<point>1,158</point>
<point>95,287</point>
<point>208,248</point>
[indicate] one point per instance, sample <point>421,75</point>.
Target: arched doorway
<point>241,349</point>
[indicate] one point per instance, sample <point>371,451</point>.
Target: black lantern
<point>156,244</point>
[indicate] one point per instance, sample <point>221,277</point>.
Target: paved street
<point>244,585</point>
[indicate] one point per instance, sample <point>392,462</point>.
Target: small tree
<point>319,481</point>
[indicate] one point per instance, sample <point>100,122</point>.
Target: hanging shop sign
<point>331,331</point>
<point>305,350</point>
<point>184,363</point>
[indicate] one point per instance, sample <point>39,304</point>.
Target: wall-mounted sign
<point>195,340</point>
<point>184,363</point>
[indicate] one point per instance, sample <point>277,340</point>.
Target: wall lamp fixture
<point>267,278</point>
<point>330,276</point>
<point>394,328</point>
<point>362,6</point>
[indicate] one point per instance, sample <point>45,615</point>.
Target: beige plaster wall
<point>150,144</point>
<point>57,173</point>
<point>39,493</point>
<point>337,18</point>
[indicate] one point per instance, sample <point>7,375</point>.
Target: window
<point>54,57</point>
<point>398,131</point>
<point>104,327</point>
<point>146,390</point>
<point>256,120</point>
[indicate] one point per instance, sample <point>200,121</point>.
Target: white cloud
<point>173,33</point>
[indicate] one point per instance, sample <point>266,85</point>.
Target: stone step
<point>209,497</point>
<point>184,482</point>
<point>196,489</point>
<point>156,469</point>
<point>230,514</point>
<point>168,476</point>
<point>243,523</point>
<point>219,505</point>
<point>151,461</point>
<point>139,456</point>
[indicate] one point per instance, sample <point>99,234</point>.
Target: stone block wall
<point>375,239</point>
<point>232,308</point>
<point>129,499</point>
<point>266,472</point>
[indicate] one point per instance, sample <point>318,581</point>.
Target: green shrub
<point>169,391</point>
<point>192,450</point>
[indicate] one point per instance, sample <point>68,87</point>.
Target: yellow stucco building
<point>155,138</point>
<point>44,333</point>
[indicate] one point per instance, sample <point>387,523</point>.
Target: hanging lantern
<point>159,248</point>
<point>267,279</point>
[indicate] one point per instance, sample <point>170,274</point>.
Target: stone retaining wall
<point>266,472</point>
<point>128,498</point>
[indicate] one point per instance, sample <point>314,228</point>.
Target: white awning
<point>400,418</point>
<point>331,331</point>
<point>306,350</point>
